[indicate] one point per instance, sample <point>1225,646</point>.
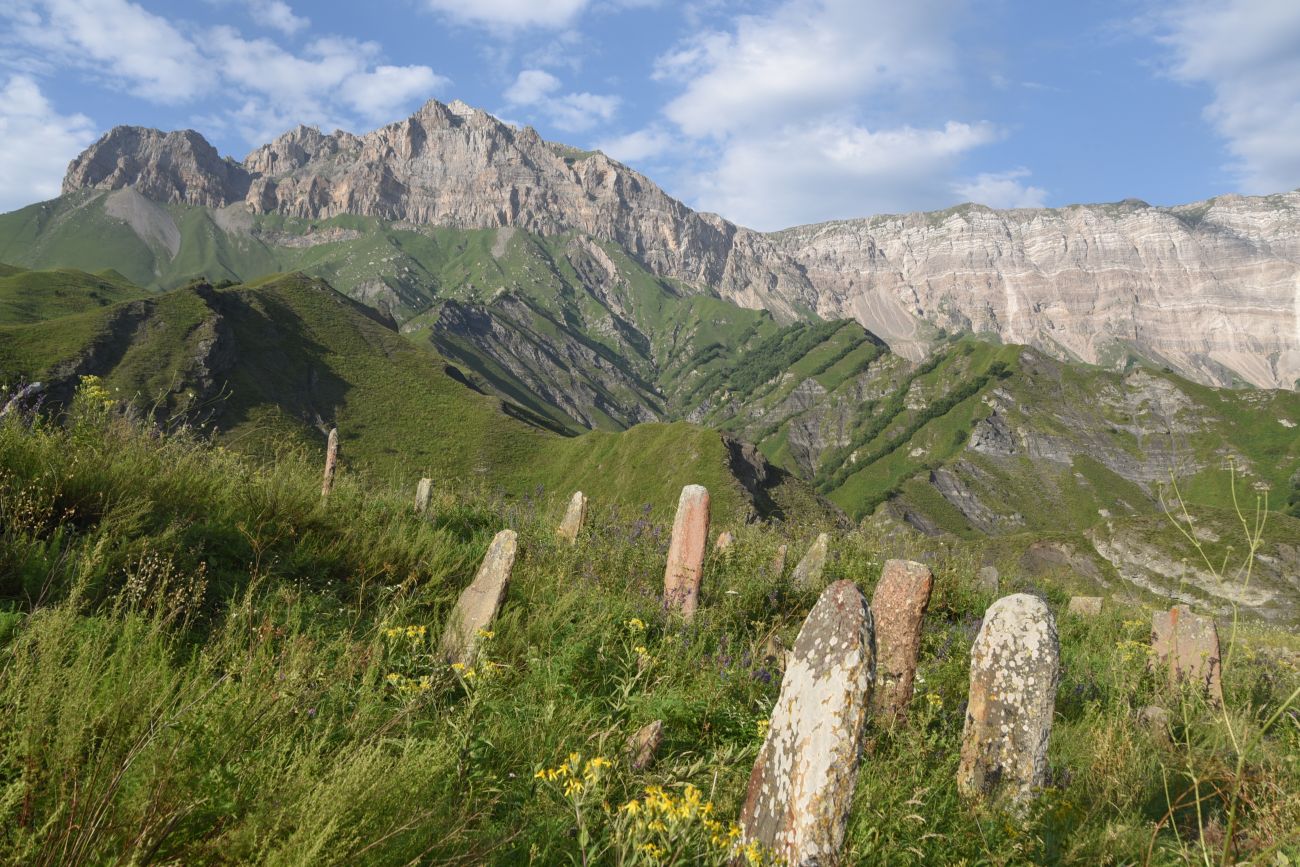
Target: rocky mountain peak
<point>179,166</point>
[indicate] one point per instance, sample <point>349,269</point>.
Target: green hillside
<point>202,662</point>
<point>33,296</point>
<point>272,365</point>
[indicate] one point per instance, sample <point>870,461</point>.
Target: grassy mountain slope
<point>202,662</point>
<point>32,296</point>
<point>273,364</point>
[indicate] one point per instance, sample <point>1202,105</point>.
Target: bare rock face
<point>574,517</point>
<point>800,790</point>
<point>176,167</point>
<point>1207,288</point>
<point>479,602</point>
<point>686,551</point>
<point>1188,644</point>
<point>809,571</point>
<point>1014,667</point>
<point>898,606</point>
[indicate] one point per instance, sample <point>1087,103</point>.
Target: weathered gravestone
<point>479,602</point>
<point>809,571</point>
<point>1085,606</point>
<point>574,517</point>
<point>1014,666</point>
<point>686,551</point>
<point>1189,645</point>
<point>643,746</point>
<point>800,790</point>
<point>423,494</point>
<point>725,541</point>
<point>898,607</point>
<point>987,579</point>
<point>778,561</point>
<point>331,461</point>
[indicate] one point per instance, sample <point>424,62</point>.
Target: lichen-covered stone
<point>423,494</point>
<point>686,551</point>
<point>643,746</point>
<point>1014,667</point>
<point>801,788</point>
<point>574,518</point>
<point>1188,644</point>
<point>1085,606</point>
<point>809,571</point>
<point>479,603</point>
<point>898,608</point>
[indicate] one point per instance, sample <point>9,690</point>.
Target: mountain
<point>273,365</point>
<point>1208,289</point>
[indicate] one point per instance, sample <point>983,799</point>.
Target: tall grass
<point>202,662</point>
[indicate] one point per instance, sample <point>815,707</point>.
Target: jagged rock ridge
<point>1211,289</point>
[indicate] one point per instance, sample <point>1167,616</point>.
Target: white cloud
<point>835,169</point>
<point>1001,190</point>
<point>385,91</point>
<point>277,15</point>
<point>117,39</point>
<point>36,143</point>
<point>510,14</point>
<point>531,87</point>
<point>642,144</point>
<point>1248,52</point>
<point>777,104</point>
<point>806,57</point>
<point>536,89</point>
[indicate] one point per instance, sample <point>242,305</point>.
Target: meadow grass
<point>202,662</point>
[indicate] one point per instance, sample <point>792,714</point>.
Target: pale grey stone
<point>643,746</point>
<point>331,462</point>
<point>1085,606</point>
<point>808,574</point>
<point>575,516</point>
<point>479,603</point>
<point>686,551</point>
<point>801,788</point>
<point>423,494</point>
<point>1014,669</point>
<point>987,579</point>
<point>1188,645</point>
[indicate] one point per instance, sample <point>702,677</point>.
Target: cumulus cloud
<point>510,14</point>
<point>120,40</point>
<point>770,101</point>
<point>1001,190</point>
<point>639,145</point>
<point>835,169</point>
<point>1248,53</point>
<point>277,15</point>
<point>536,90</point>
<point>36,143</point>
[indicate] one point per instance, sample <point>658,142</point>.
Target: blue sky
<point>770,113</point>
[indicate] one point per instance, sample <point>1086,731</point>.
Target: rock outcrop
<point>1208,288</point>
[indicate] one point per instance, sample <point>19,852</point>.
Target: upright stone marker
<point>331,461</point>
<point>725,541</point>
<point>1014,666</point>
<point>809,571</point>
<point>574,517</point>
<point>1085,606</point>
<point>987,579</point>
<point>778,561</point>
<point>800,790</point>
<point>479,602</point>
<point>423,494</point>
<point>686,551</point>
<point>898,607</point>
<point>1189,645</point>
<point>643,746</point>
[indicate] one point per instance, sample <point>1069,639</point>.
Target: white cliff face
<point>1211,289</point>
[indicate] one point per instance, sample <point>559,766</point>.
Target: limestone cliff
<point>1211,289</point>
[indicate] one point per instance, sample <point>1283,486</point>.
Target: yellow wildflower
<point>636,624</point>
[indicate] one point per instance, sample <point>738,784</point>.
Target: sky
<point>772,114</point>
